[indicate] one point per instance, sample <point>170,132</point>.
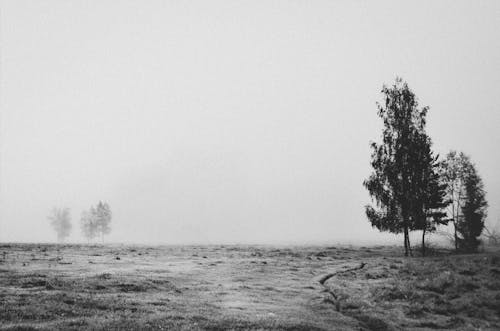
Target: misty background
<point>230,121</point>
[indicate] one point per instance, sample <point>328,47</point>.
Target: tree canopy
<point>96,221</point>
<point>404,184</point>
<point>60,220</point>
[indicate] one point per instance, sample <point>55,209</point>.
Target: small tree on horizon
<point>60,219</point>
<point>492,233</point>
<point>103,218</point>
<point>96,221</point>
<point>88,224</point>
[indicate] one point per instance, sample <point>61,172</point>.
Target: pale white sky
<point>230,121</point>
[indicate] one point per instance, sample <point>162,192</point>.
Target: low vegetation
<point>69,287</point>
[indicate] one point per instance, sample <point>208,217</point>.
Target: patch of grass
<point>175,288</point>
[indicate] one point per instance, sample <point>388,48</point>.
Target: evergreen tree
<point>471,224</point>
<point>431,201</point>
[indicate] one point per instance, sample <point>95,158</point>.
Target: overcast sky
<point>230,121</point>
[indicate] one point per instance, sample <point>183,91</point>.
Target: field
<point>119,287</point>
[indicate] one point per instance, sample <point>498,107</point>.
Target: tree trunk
<point>455,220</point>
<point>409,246</point>
<point>423,242</point>
<point>456,236</point>
<point>407,243</point>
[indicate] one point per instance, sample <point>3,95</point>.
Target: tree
<point>96,221</point>
<point>474,212</point>
<point>403,183</point>
<point>456,167</point>
<point>60,220</point>
<point>431,201</point>
<point>103,219</point>
<point>89,224</point>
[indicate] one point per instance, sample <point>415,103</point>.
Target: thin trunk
<point>454,216</point>
<point>455,219</point>
<point>456,237</point>
<point>407,241</point>
<point>457,215</point>
<point>406,245</point>
<point>423,242</point>
<point>405,235</point>
<point>409,246</point>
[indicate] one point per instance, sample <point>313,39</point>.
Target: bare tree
<point>492,233</point>
<point>60,220</point>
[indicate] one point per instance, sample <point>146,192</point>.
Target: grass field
<point>119,287</point>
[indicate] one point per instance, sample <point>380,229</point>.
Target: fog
<point>230,121</point>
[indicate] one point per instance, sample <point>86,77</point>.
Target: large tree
<point>60,220</point>
<point>403,179</point>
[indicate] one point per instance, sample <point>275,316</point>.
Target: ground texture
<point>117,287</point>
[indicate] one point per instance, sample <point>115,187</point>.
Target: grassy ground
<point>69,287</point>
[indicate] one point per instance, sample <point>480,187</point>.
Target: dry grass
<point>51,287</point>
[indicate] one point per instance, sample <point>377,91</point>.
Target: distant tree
<point>60,220</point>
<point>401,182</point>
<point>456,168</point>
<point>492,233</point>
<point>88,224</point>
<point>471,225</point>
<point>103,219</point>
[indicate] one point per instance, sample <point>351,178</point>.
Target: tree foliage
<point>471,225</point>
<point>405,184</point>
<point>96,222</point>
<point>60,220</point>
<point>468,200</point>
<point>430,203</point>
<point>456,166</point>
<point>88,224</point>
<point>103,217</point>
